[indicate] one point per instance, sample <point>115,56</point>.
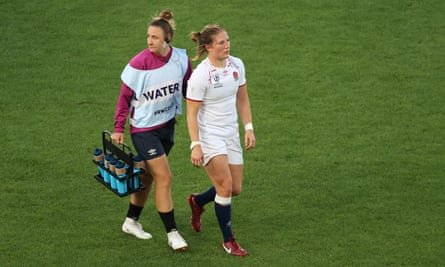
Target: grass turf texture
<point>349,111</point>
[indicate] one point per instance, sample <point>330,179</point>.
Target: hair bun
<point>166,14</point>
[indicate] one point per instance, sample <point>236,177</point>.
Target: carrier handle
<point>120,152</point>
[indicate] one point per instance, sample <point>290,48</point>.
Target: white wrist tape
<point>193,144</point>
<point>248,126</point>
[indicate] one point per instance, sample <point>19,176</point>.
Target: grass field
<point>348,99</point>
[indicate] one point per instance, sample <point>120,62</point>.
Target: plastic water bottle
<point>112,168</point>
<point>106,175</point>
<point>138,164</point>
<point>121,170</point>
<point>98,156</point>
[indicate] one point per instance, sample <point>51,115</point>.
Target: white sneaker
<point>133,227</point>
<point>175,241</point>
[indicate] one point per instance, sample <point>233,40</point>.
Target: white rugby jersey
<point>216,89</point>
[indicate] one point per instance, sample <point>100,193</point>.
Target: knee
<point>163,181</point>
<point>146,179</point>
<point>236,191</point>
<point>224,189</point>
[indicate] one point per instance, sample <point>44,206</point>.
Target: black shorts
<point>156,143</point>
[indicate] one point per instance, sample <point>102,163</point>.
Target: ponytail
<point>200,47</point>
<point>203,38</point>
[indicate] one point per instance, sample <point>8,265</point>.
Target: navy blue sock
<point>168,218</point>
<point>205,197</point>
<point>134,212</point>
<point>224,216</point>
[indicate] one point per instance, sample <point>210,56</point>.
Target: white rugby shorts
<point>213,146</point>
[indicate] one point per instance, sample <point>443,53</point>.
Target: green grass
<point>349,112</point>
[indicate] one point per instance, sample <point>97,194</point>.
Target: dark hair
<point>205,37</point>
<point>164,21</point>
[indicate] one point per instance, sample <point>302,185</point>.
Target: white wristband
<point>193,144</point>
<point>248,126</point>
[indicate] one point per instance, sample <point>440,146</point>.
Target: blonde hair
<point>166,22</point>
<point>205,37</point>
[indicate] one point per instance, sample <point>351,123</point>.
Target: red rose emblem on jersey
<point>235,75</point>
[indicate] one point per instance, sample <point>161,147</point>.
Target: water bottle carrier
<point>121,152</point>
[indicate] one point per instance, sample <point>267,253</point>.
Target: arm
<point>243,106</point>
<point>186,78</point>
<point>121,113</point>
<point>193,129</point>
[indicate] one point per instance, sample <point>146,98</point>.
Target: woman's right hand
<point>117,138</point>
<point>197,157</point>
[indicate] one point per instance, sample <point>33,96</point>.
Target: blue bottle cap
<point>137,158</point>
<point>97,151</point>
<point>119,165</point>
<point>113,160</point>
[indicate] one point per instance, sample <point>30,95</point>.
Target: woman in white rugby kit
<point>216,94</point>
<point>151,95</point>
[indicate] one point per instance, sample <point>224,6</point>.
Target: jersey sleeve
<point>197,86</point>
<point>242,79</point>
<point>122,108</point>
